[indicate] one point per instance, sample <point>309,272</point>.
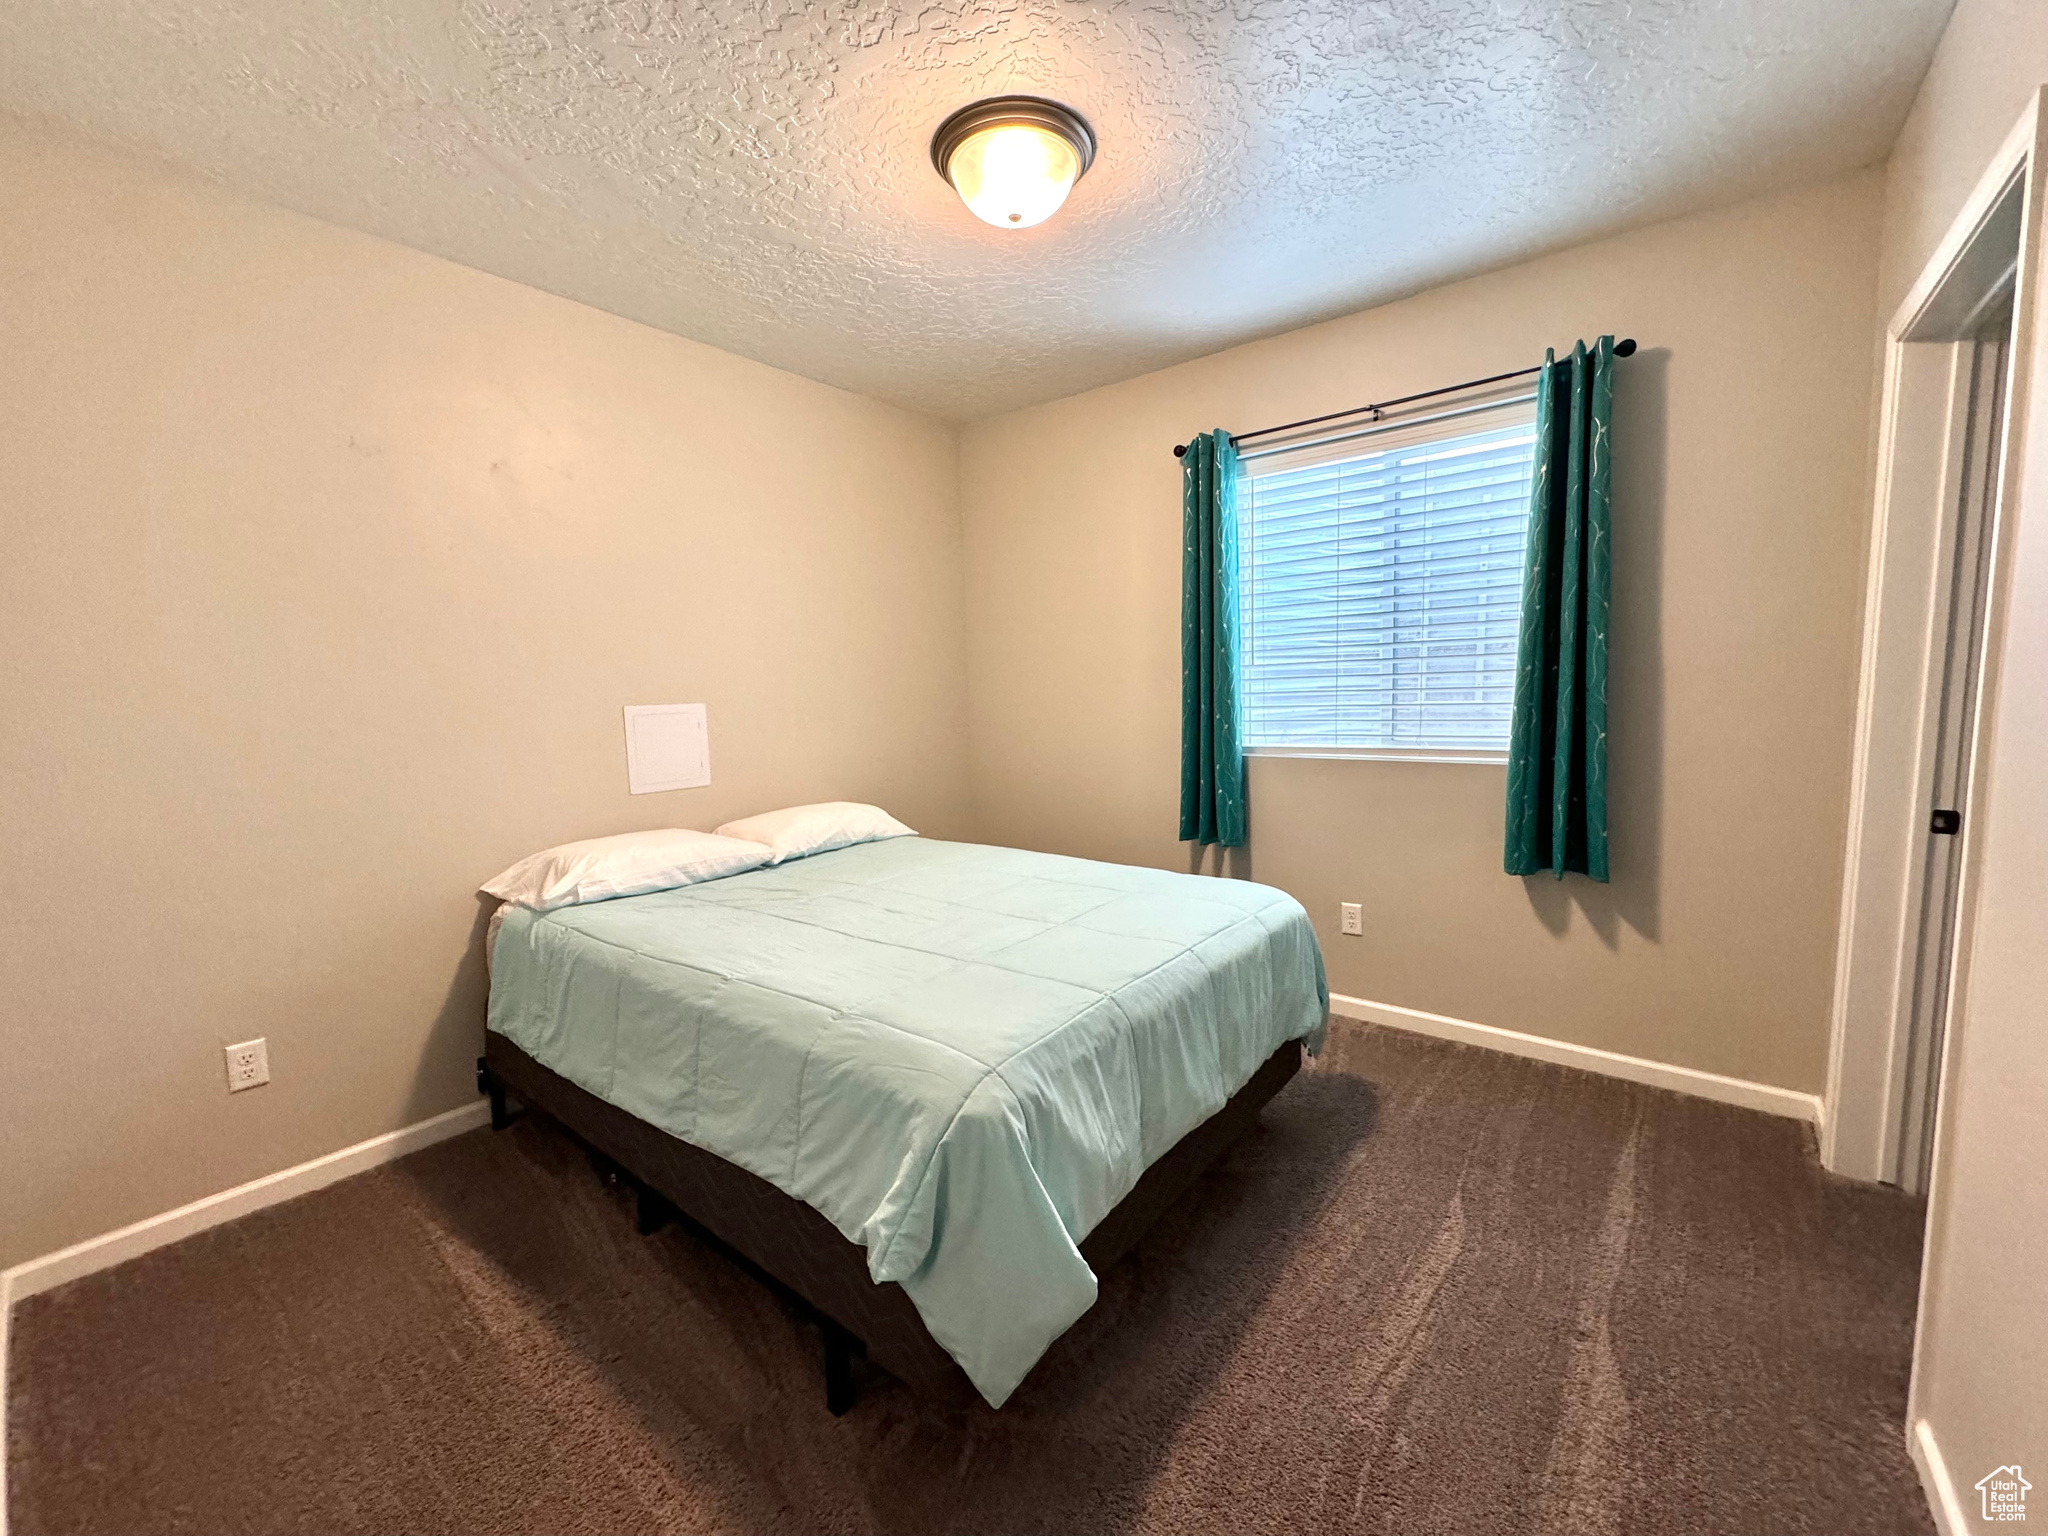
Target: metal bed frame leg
<point>650,1211</point>
<point>486,1083</point>
<point>840,1348</point>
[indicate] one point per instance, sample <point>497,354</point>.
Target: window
<point>1382,588</point>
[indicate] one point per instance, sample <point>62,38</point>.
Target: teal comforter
<point>963,1056</point>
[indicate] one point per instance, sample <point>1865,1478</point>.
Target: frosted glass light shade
<point>1013,159</point>
<point>1015,175</point>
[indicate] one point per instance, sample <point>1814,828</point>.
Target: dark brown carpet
<point>1440,1290</point>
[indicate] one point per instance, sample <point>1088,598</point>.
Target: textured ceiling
<point>755,175</point>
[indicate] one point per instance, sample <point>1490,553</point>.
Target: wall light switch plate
<point>1353,917</point>
<point>668,746</point>
<point>248,1065</point>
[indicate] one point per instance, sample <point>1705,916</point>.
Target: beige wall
<point>327,569</point>
<point>1992,59</point>
<point>1740,440</point>
<point>1983,1348</point>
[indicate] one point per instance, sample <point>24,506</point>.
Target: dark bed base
<point>796,1246</point>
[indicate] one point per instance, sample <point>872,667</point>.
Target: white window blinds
<point>1381,590</point>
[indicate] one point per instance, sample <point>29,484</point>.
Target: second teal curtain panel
<point>1211,760</point>
<point>1557,748</point>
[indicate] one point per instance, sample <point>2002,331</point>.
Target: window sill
<point>1389,754</point>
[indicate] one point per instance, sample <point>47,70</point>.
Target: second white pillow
<point>631,864</point>
<point>804,829</point>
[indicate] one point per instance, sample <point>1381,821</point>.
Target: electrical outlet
<point>1353,917</point>
<point>248,1065</point>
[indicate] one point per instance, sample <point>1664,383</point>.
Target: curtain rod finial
<point>1180,450</point>
<point>1626,347</point>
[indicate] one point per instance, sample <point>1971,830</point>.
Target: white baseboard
<point>117,1247</point>
<point>111,1248</point>
<point>1942,1501</point>
<point>1635,1069</point>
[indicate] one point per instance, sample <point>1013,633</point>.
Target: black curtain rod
<point>1623,348</point>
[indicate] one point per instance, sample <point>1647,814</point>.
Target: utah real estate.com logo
<point>2005,1494</point>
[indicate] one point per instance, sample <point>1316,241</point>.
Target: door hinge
<point>1947,823</point>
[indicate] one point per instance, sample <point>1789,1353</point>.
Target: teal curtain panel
<point>1557,748</point>
<point>1211,761</point>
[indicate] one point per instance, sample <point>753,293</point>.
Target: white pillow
<point>630,864</point>
<point>803,829</point>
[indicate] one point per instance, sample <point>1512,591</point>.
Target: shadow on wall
<point>457,1034</point>
<point>1635,684</point>
<point>1228,863</point>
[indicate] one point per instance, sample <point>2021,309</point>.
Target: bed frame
<point>796,1248</point>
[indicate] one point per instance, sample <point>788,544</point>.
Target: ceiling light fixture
<point>1013,159</point>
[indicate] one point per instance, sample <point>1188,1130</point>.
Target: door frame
<point>1904,636</point>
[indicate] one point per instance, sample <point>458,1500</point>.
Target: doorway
<point>1944,480</point>
<point>1982,361</point>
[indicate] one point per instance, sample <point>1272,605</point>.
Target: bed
<point>930,1087</point>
